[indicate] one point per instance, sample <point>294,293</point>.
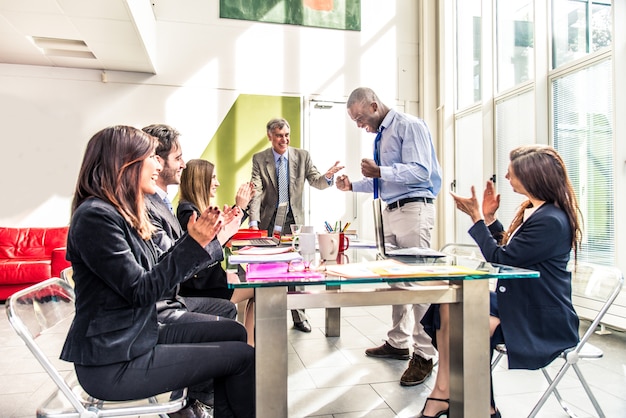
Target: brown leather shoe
<point>419,369</point>
<point>195,409</point>
<point>388,351</point>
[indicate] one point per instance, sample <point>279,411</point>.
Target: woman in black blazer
<point>198,185</point>
<point>119,350</point>
<point>536,314</point>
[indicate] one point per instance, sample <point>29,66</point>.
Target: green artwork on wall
<point>242,133</point>
<point>333,14</point>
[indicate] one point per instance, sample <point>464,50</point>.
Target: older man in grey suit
<point>266,166</point>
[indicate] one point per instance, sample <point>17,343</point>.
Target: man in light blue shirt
<point>406,175</point>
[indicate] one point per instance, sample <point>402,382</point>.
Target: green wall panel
<point>242,134</point>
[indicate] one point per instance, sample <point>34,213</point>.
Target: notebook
<point>273,241</point>
<point>406,253</point>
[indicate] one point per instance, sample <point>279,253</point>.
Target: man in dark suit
<point>170,156</point>
<point>265,177</point>
<point>168,231</point>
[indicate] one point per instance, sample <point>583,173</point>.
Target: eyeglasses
<point>301,265</point>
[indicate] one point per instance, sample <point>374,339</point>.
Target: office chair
<point>41,315</point>
<point>602,284</point>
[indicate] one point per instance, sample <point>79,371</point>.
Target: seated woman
<point>535,317</point>
<point>118,348</point>
<point>198,184</point>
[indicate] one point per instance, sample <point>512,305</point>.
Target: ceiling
<point>96,34</point>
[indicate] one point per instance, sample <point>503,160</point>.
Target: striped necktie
<point>283,180</point>
<point>377,158</point>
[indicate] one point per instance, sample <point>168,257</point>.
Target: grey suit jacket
<point>301,168</point>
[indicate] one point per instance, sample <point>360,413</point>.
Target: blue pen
<point>328,227</point>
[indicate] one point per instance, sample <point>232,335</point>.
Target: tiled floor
<point>332,377</point>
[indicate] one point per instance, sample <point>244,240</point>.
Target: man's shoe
<point>194,409</point>
<point>303,326</point>
<point>388,351</point>
<point>419,369</point>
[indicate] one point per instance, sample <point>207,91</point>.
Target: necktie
<point>377,158</point>
<point>168,204</point>
<point>283,180</point>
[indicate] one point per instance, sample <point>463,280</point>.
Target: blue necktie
<point>377,158</point>
<point>283,180</point>
<point>168,204</point>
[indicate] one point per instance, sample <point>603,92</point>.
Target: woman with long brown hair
<point>118,348</point>
<point>535,317</point>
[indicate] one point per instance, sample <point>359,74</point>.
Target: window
<point>468,52</point>
<point>515,126</point>
<point>516,42</point>
<point>579,28</point>
<point>583,135</point>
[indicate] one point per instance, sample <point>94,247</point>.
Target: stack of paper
<point>278,272</point>
<point>264,255</point>
<point>395,268</point>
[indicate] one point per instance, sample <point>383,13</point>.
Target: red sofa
<point>30,255</point>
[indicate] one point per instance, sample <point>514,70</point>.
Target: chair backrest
<point>600,284</point>
<point>471,251</point>
<point>37,310</point>
<point>67,274</point>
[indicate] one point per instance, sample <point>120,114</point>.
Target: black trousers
<point>189,352</point>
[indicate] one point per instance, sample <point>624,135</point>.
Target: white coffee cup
<point>304,243</point>
<point>329,245</point>
<point>307,229</point>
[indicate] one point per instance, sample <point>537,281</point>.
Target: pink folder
<point>278,272</point>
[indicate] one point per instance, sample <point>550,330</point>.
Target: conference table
<point>467,292</point>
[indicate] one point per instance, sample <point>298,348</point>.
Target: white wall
<point>203,63</point>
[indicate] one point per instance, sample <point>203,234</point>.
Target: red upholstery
<point>30,255</point>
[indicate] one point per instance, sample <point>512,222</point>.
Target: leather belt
<point>402,202</point>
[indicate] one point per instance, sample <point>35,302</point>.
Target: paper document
<point>251,250</point>
<point>395,268</point>
<point>264,258</point>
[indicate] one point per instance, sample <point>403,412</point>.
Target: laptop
<point>402,253</point>
<point>273,241</point>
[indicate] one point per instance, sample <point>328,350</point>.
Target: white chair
<point>67,274</point>
<point>471,251</point>
<point>41,314</point>
<point>602,284</point>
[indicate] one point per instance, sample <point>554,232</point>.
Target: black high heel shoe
<point>445,412</point>
<point>496,414</point>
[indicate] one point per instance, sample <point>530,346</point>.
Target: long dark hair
<point>543,174</point>
<point>111,170</point>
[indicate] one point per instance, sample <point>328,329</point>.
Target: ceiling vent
<point>57,47</point>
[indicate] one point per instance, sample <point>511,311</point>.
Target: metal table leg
<point>469,351</point>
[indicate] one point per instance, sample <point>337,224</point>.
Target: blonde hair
<point>195,183</point>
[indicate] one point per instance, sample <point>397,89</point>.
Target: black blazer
<point>209,282</point>
<point>168,228</point>
<point>536,315</point>
<point>118,280</point>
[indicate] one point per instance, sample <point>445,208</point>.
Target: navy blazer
<point>536,315</point>
<point>118,280</point>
